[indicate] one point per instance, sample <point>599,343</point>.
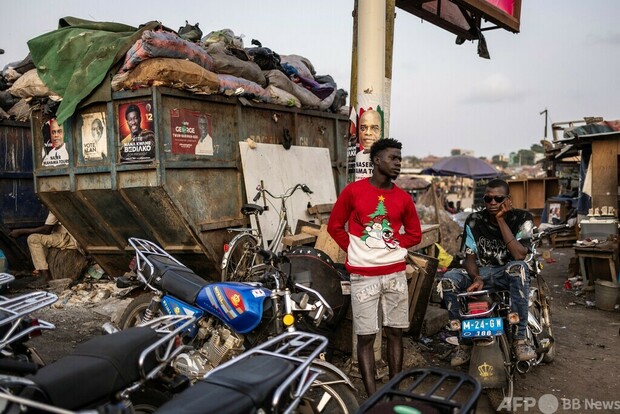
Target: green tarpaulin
<point>74,60</point>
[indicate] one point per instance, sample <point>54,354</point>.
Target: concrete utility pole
<point>371,85</point>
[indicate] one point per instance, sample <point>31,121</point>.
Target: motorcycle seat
<point>180,281</point>
<point>94,371</point>
<point>240,388</point>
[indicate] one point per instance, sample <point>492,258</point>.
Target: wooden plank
<point>517,193</point>
<point>310,230</point>
<point>298,239</point>
<point>604,173</point>
<point>326,244</point>
<point>420,289</point>
<point>535,193</point>
<point>321,208</point>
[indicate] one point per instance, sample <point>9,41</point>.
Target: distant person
<point>366,222</point>
<point>51,234</point>
<point>58,155</point>
<point>205,143</point>
<point>139,144</point>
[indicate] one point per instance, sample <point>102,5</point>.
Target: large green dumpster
<point>155,186</point>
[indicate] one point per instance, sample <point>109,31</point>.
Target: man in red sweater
<point>382,225</point>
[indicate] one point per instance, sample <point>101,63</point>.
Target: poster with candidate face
<point>94,136</point>
<point>136,126</point>
<point>191,132</point>
<point>54,150</point>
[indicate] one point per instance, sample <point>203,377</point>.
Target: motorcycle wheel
<point>498,395</point>
<point>132,316</point>
<point>541,310</point>
<point>329,394</point>
<point>148,400</point>
<point>241,258</point>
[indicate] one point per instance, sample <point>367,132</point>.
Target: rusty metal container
<point>158,187</point>
<point>20,205</point>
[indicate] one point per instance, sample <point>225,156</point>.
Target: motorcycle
<point>121,372</point>
<point>487,319</point>
<point>17,327</point>
<point>231,317</point>
<point>289,386</point>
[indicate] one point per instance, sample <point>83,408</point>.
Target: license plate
<point>472,328</point>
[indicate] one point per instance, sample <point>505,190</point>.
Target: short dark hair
<point>132,108</point>
<point>498,182</point>
<point>382,144</point>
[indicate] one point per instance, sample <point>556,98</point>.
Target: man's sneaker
<point>461,356</point>
<point>523,351</point>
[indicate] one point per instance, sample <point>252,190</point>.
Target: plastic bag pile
<point>217,63</point>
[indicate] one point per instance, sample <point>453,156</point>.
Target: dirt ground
<point>583,378</point>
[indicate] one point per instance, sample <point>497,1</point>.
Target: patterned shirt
<point>484,239</point>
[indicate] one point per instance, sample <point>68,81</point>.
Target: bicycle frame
<point>256,234</point>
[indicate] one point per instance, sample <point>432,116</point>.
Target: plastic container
<point>598,228</point>
<point>606,294</point>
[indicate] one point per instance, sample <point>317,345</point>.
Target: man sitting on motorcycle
<point>492,242</point>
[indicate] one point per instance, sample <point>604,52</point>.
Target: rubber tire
<point>548,356</point>
<point>133,313</point>
<point>348,401</point>
<point>148,400</point>
<point>239,260</point>
<point>496,395</point>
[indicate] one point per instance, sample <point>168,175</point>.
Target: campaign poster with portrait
<point>54,150</point>
<point>94,136</point>
<point>369,130</point>
<point>136,125</point>
<point>191,132</point>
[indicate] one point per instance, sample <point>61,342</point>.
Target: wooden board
<point>517,192</point>
<point>281,169</point>
<point>535,193</point>
<point>420,287</point>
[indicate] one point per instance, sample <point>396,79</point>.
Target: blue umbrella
<point>462,166</point>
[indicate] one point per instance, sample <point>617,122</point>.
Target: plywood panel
<point>535,193</point>
<point>281,169</point>
<point>517,192</point>
<point>604,173</point>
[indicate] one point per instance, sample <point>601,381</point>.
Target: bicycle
<point>241,259</point>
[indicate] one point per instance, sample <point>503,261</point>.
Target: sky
<point>565,59</point>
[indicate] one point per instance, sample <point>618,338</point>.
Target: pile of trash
<point>127,58</point>
<point>17,87</point>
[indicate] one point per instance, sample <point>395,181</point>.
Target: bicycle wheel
<point>239,259</point>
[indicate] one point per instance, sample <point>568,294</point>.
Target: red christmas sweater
<point>374,243</point>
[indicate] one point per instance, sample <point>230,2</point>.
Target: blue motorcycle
<point>231,317</point>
